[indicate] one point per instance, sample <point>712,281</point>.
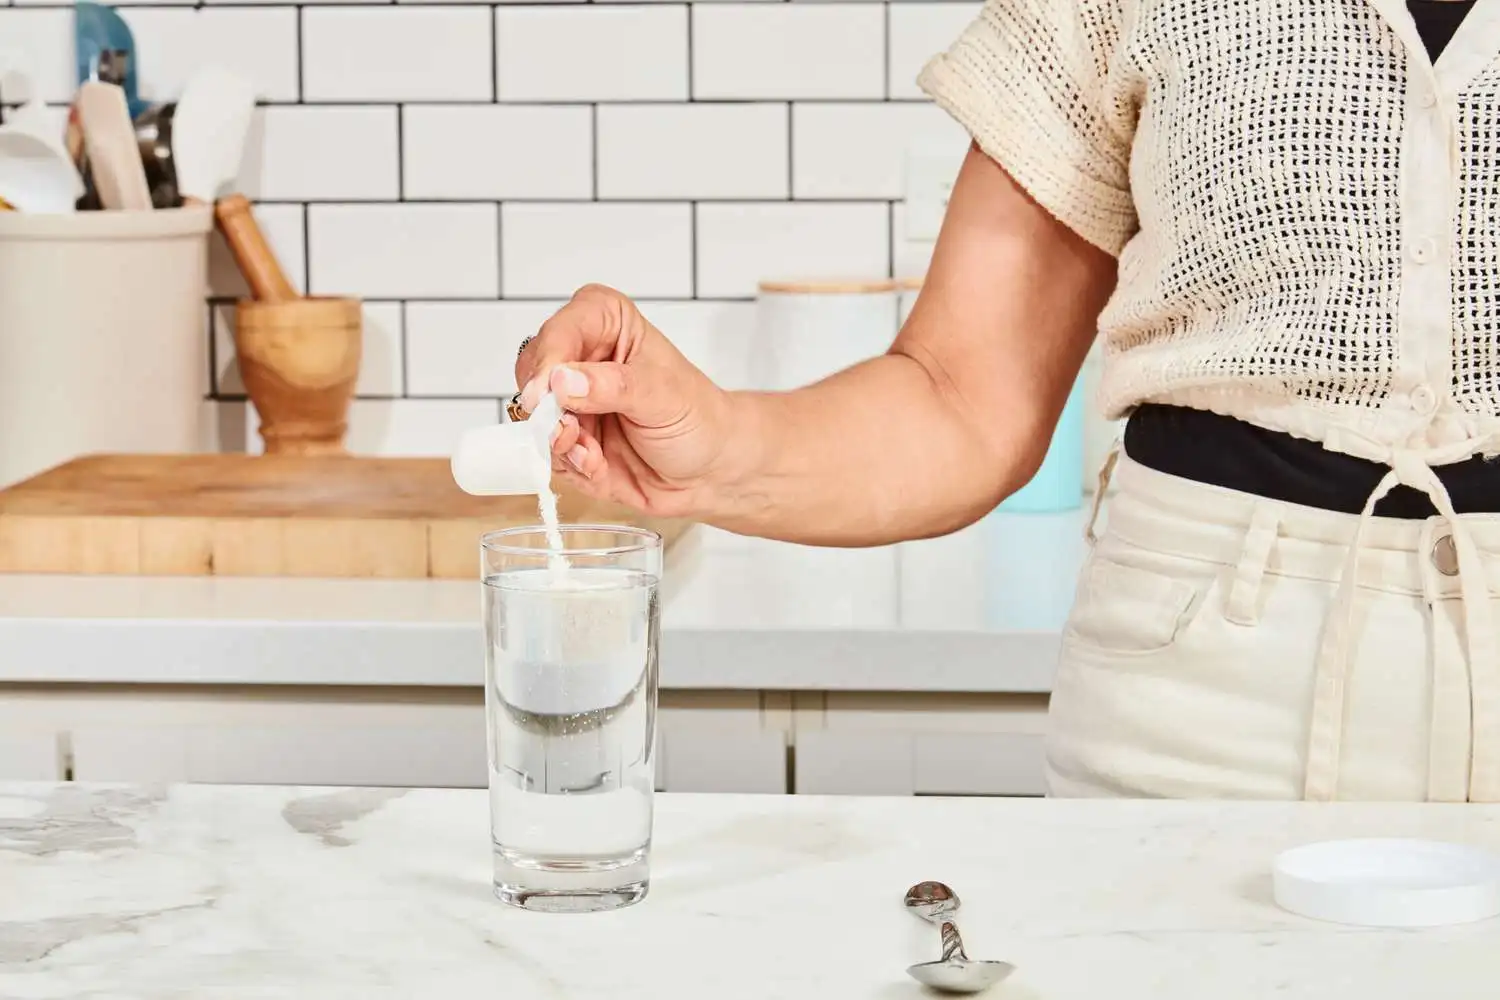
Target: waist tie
<point>1412,468</point>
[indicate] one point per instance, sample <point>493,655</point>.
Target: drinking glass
<point>570,709</point>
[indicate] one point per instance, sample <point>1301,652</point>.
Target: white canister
<point>808,330</point>
<point>810,587</point>
<point>1031,567</point>
<point>942,581</point>
<point>103,335</point>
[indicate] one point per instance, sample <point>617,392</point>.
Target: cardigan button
<point>1423,251</point>
<point>1424,400</point>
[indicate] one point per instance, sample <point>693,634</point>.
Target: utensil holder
<point>299,361</point>
<point>103,340</point>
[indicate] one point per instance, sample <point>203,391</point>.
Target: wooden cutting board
<point>265,515</point>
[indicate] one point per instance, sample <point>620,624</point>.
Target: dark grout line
<point>693,250</point>
<point>573,202</point>
<point>301,57</point>
<point>400,153</point>
<point>791,158</point>
<point>405,351</point>
<point>594,152</point>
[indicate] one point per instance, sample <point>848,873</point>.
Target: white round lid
<point>1388,883</point>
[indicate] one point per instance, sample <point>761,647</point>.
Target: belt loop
<point>1106,473</point>
<point>1243,604</point>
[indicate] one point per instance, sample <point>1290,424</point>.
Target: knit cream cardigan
<point>1305,209</point>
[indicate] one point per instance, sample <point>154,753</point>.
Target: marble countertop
<point>208,630</point>
<point>261,892</point>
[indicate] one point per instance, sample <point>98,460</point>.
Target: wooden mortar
<point>299,360</point>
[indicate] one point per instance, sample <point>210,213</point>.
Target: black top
<point>1223,451</point>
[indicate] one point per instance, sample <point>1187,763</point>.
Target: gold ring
<point>514,410</point>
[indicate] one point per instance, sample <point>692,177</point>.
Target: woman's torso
<point>1226,452</point>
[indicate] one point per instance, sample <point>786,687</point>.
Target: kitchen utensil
<point>114,156</point>
<point>153,136</point>
<point>36,173</point>
<point>268,283</point>
<point>1388,883</point>
<point>299,360</point>
<point>208,132</point>
<point>509,459</point>
<point>266,515</point>
<point>105,51</point>
<point>955,972</point>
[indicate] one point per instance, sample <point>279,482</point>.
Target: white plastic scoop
<point>36,173</point>
<point>512,459</point>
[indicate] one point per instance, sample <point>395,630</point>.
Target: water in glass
<point>571,706</point>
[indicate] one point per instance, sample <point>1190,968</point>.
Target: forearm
<point>875,454</point>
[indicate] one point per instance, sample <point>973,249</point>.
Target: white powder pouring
<point>544,420</point>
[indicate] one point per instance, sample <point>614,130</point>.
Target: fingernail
<point>575,456</point>
<point>531,395</point>
<point>571,382</point>
<point>567,421</point>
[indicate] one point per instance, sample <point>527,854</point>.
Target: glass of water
<point>570,705</point>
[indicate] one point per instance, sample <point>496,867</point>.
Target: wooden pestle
<point>268,283</point>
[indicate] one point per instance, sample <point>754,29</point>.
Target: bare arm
<point>958,415</point>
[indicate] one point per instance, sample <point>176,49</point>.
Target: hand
<point>643,426</point>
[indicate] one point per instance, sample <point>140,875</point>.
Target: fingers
<point>645,395</point>
<point>597,323</point>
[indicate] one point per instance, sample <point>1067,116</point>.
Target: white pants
<point>1194,663</point>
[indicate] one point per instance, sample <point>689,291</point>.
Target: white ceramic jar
<point>808,330</point>
<point>805,332</point>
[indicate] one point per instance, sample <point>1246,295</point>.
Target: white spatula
<point>208,133</point>
<point>114,156</point>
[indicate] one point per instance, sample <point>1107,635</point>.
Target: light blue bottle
<point>1034,540</point>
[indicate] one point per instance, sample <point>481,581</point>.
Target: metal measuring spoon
<point>955,972</point>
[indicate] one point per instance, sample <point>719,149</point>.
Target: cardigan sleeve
<point>1029,80</point>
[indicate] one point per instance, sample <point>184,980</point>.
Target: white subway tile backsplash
<point>404,251</point>
<point>592,53</point>
<point>465,165</point>
<point>859,150</point>
<point>739,245</point>
<point>693,151</point>
<point>168,47</point>
<point>39,44</point>
<point>468,348</point>
<point>260,44</point>
<point>717,337</point>
<point>380,361</point>
<point>406,53</point>
<point>283,226</point>
<point>909,257</point>
<point>323,154</point>
<point>550,249</point>
<point>173,42</point>
<point>789,51</point>
<point>415,428</point>
<point>920,31</point>
<point>498,151</point>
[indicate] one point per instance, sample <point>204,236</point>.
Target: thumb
<point>644,395</point>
